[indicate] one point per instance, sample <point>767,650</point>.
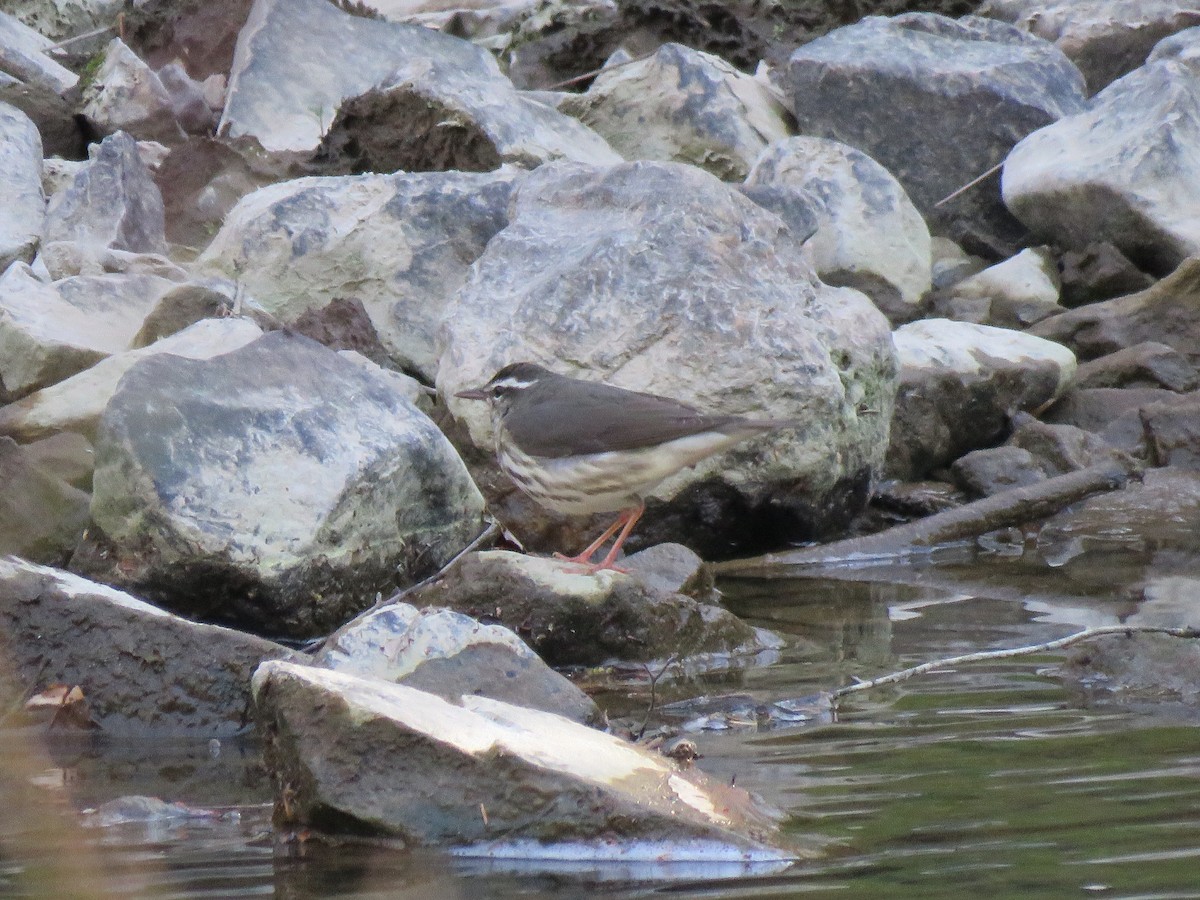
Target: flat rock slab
<point>21,185</point>
<point>142,670</point>
<point>352,753</point>
<point>450,654</point>
<point>572,618</point>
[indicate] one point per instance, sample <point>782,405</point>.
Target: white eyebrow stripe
<point>512,383</point>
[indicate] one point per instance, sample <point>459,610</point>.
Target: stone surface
<point>869,235</point>
<point>682,105</point>
<point>21,184</point>
<point>183,305</point>
<point>59,19</point>
<point>969,89</point>
<point>1104,38</point>
<point>360,754</point>
<point>1166,313</point>
<point>658,277</point>
<point>41,516</point>
<point>66,456</point>
<point>400,244</point>
<point>425,100</point>
<point>1125,170</point>
<point>571,618</point>
<point>449,654</point>
<point>1148,364</point>
<point>127,95</point>
<point>1016,293</point>
<point>278,486</point>
<point>77,403</point>
<point>1113,413</point>
<point>111,204</point>
<point>1099,272</point>
<point>673,568</point>
<point>142,671</point>
<point>959,385</point>
<point>22,55</point>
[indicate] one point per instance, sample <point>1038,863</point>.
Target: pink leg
<point>627,519</point>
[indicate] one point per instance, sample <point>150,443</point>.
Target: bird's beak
<point>473,394</point>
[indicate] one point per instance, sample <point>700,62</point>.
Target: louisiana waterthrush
<point>581,447</point>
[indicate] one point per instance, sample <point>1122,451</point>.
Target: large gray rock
<point>127,95</point>
<point>1126,170</point>
<point>938,102</point>
<point>41,516</point>
<point>660,278</point>
<point>49,332</point>
<point>425,100</point>
<point>280,486</point>
<point>76,403</point>
<point>142,671</point>
<point>1167,313</point>
<point>573,619</point>
<point>354,753</point>
<point>959,385</point>
<point>1104,38</point>
<point>400,244</point>
<point>682,105</point>
<point>1015,293</point>
<point>450,654</point>
<point>869,234</point>
<point>22,55</point>
<point>112,203</point>
<point>59,19</point>
<point>21,185</point>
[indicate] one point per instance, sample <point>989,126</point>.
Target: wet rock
<point>449,654</point>
<point>142,671</point>
<point>21,185</point>
<point>969,90</point>
<point>77,403</point>
<point>869,235</point>
<point>1034,452</point>
<point>1013,294</point>
<point>111,204</point>
<point>278,486</point>
<point>1104,38</point>
<point>1148,364</point>
<point>1167,313</point>
<point>571,618</point>
<point>675,569</point>
<point>959,385</point>
<point>23,55</point>
<point>685,106</point>
<point>1172,431</point>
<point>127,95</point>
<point>1113,413</point>
<point>41,516</point>
<point>398,244</point>
<point>394,97</point>
<point>1138,668</point>
<point>658,277</point>
<point>917,499</point>
<point>1099,272</point>
<point>1071,183</point>
<point>358,754</point>
<point>138,809</point>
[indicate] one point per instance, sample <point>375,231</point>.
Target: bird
<point>580,447</point>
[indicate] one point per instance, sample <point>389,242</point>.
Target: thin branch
<point>592,74</point>
<point>983,655</point>
<point>671,660</point>
<point>96,32</point>
<point>484,536</point>
<point>970,184</point>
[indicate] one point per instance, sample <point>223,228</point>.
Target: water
<point>993,780</point>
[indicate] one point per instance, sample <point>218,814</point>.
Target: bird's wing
<point>598,418</point>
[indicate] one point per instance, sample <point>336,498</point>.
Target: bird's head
<point>507,386</point>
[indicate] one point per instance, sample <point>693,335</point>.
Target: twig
<point>486,535</point>
<point>671,660</point>
<point>970,184</point>
<point>592,74</point>
<point>983,655</point>
<point>95,32</point>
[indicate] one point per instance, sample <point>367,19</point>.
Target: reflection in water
<point>994,780</point>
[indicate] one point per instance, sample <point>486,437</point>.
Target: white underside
<point>607,482</point>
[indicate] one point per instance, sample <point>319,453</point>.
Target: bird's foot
<point>589,567</point>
